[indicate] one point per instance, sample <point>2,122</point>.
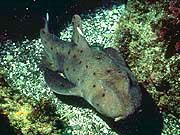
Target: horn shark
<point>100,76</point>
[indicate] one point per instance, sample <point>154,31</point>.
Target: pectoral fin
<point>59,84</point>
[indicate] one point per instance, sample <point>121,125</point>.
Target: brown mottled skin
<point>101,77</point>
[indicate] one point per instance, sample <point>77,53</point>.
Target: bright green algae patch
<point>29,116</point>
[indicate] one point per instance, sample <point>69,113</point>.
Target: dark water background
<point>20,18</point>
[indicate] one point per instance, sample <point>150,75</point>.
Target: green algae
<point>145,55</point>
<point>29,116</point>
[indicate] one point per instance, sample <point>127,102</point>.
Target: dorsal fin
<point>78,37</point>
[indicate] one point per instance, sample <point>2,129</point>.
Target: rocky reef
<point>148,37</point>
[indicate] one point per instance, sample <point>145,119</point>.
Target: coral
<point>146,54</point>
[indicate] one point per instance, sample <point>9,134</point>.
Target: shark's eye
<point>94,86</point>
<point>103,94</point>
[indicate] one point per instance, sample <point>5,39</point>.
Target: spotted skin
<point>101,77</point>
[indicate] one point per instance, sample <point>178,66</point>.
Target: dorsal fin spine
<point>46,22</point>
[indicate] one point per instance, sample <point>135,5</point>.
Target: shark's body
<point>101,77</point>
